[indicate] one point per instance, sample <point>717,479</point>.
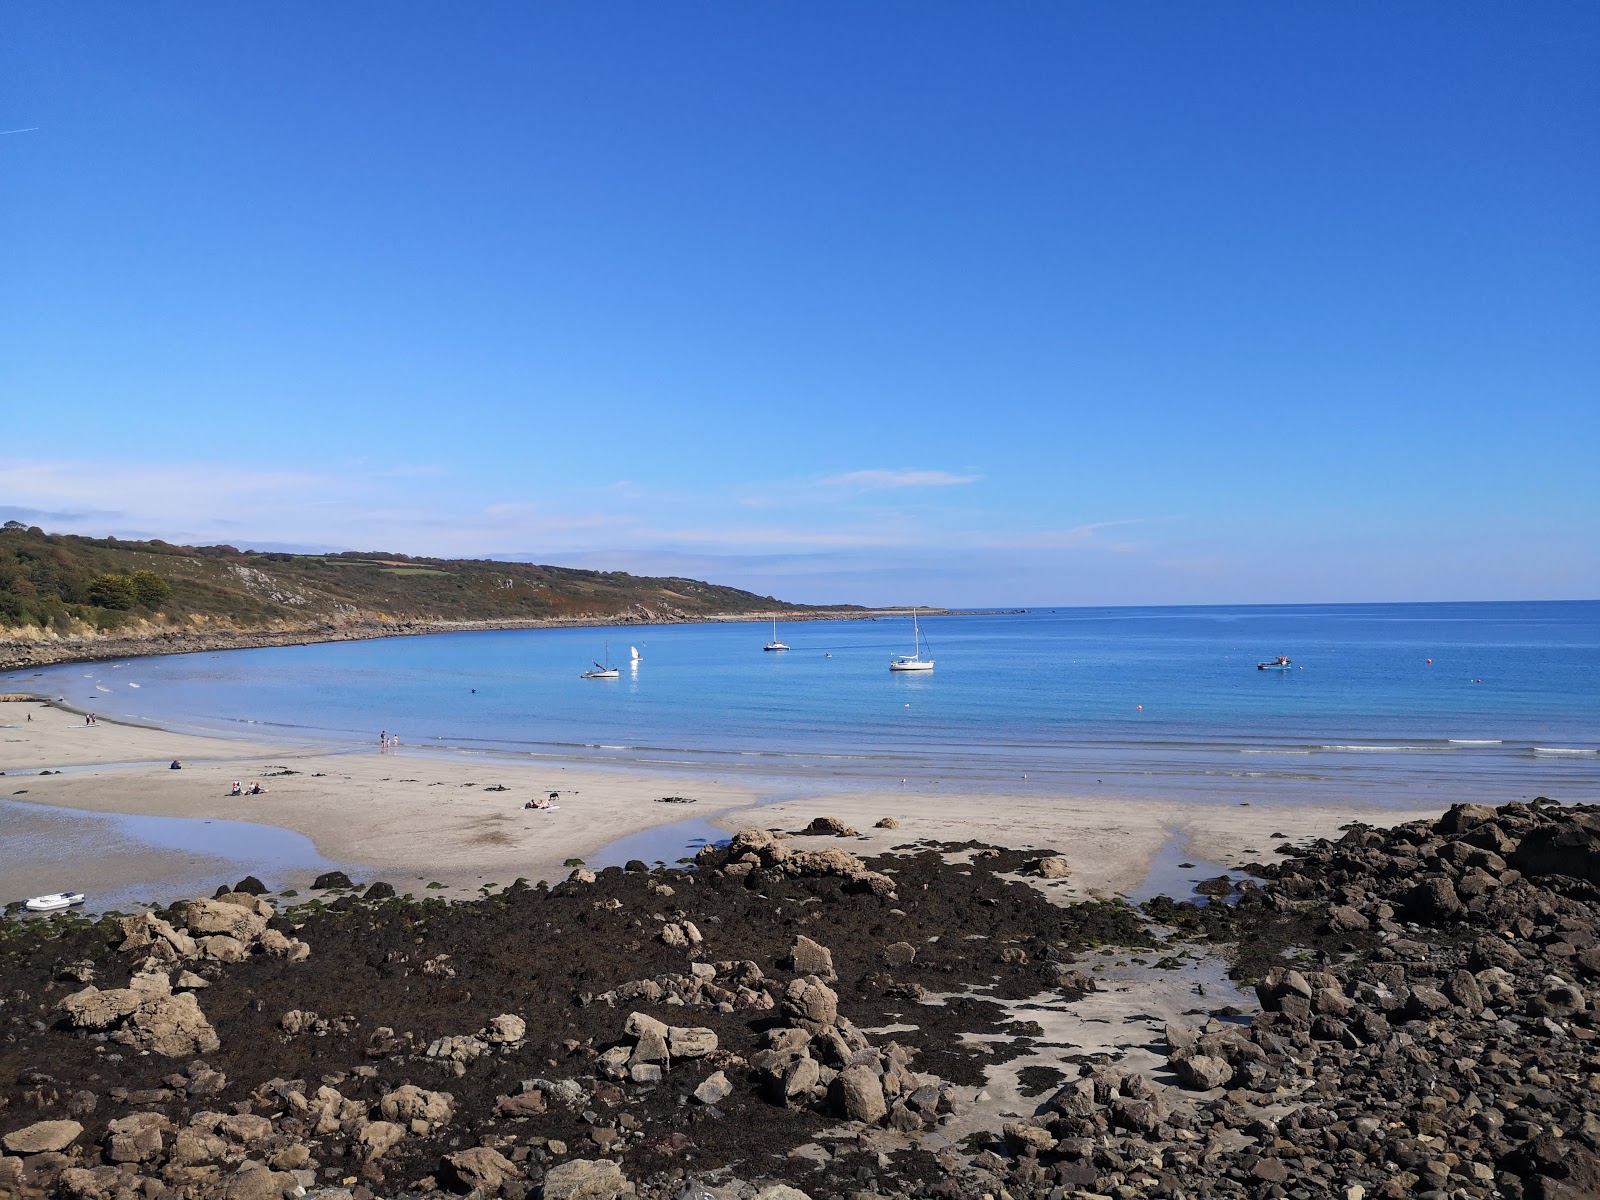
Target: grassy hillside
<point>74,585</point>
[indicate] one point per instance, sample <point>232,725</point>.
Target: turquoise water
<point>1508,707</point>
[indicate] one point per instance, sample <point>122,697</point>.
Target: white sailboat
<point>913,661</point>
<point>603,672</point>
<point>774,644</point>
<point>634,659</point>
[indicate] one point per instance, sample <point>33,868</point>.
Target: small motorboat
<point>54,902</point>
<point>1277,664</point>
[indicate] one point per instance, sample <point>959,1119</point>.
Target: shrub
<point>113,591</point>
<point>150,589</point>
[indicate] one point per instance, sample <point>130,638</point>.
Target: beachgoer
<point>176,766</point>
<point>383,738</point>
<point>238,789</point>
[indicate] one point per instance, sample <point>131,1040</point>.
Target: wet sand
<point>412,816</point>
<point>402,815</point>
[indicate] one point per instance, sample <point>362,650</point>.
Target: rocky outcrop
<point>146,1015</point>
<point>751,849</point>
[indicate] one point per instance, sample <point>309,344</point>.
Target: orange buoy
<point>1430,662</point>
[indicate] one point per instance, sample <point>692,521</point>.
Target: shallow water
<point>110,856</point>
<point>1162,701</point>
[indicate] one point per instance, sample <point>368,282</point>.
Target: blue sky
<point>1021,304</point>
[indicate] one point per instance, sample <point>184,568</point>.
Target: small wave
<point>1476,742</point>
<point>133,685</point>
<point>100,687</point>
<point>1557,750</point>
<point>1277,751</point>
<point>1390,749</point>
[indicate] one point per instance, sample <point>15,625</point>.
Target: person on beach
<point>176,766</point>
<point>238,789</point>
<point>383,739</point>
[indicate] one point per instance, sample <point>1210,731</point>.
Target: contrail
<point>29,129</point>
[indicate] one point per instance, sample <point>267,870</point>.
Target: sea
<point>1383,703</point>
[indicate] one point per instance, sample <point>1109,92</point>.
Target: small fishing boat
<point>54,902</point>
<point>775,644</point>
<point>913,661</point>
<point>1278,664</point>
<point>606,671</point>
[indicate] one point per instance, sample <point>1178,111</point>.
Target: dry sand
<point>412,815</point>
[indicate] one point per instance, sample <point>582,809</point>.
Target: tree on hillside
<point>150,589</point>
<point>113,591</point>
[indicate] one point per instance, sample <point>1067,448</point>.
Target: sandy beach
<point>413,817</point>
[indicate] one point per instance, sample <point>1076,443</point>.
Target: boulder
<point>524,1104</point>
<point>585,1179</point>
<point>331,879</point>
<point>147,1015</point>
<point>506,1028</point>
<point>1027,1139</point>
<point>1461,817</point>
<point>223,916</point>
<point>810,999</point>
<point>377,1138</point>
<point>1344,919</point>
<point>136,1138</point>
<point>1202,1072</point>
<point>650,1048</point>
<point>714,1089</point>
<point>220,947</point>
<point>763,843</point>
<point>480,1168</point>
<point>173,1026</point>
<point>829,827</point>
<point>1433,900</point>
<point>379,891</point>
<point>1570,847</point>
<point>410,1103</point>
<point>798,1078</point>
<point>861,1094</point>
<point>899,954</point>
<point>638,1024</point>
<point>690,1042</point>
<point>1055,867</point>
<point>253,1181</point>
<point>888,823</point>
<point>807,957</point>
<point>42,1137</point>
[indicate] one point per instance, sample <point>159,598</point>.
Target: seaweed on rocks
<point>1428,1025</point>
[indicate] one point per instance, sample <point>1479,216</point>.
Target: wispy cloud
<point>881,478</point>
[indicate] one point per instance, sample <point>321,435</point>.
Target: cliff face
<point>64,598</point>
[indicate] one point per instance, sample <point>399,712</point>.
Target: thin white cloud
<point>883,478</point>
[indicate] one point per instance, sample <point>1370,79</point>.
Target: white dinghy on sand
<point>54,902</point>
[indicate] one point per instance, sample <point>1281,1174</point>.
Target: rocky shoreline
<point>786,1020</point>
<point>18,653</point>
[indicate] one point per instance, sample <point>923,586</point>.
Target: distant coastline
<point>44,650</point>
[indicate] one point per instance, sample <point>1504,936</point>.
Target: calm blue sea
<point>1153,701</point>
